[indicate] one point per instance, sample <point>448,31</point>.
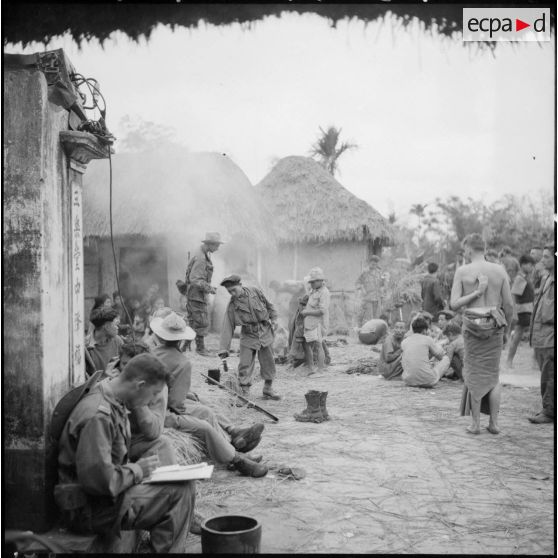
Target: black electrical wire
<point>114,250</point>
<point>78,81</point>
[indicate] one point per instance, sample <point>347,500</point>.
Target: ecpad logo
<point>506,24</point>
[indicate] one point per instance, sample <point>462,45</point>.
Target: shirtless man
<point>483,288</point>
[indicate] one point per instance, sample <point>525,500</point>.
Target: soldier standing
<point>370,285</point>
<point>250,309</point>
<point>198,284</point>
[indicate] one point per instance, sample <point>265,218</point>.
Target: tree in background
<point>141,135</point>
<point>327,148</point>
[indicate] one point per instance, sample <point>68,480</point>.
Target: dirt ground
<point>393,471</point>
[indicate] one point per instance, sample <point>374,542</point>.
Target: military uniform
<point>255,314</point>
<point>94,453</point>
<point>371,283</point>
<point>199,287</point>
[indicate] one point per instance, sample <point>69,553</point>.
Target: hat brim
<point>213,241</point>
<point>156,327</point>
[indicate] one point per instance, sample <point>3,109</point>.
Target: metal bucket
<point>214,374</point>
<point>231,534</point>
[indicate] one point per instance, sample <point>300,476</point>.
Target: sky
<point>431,117</point>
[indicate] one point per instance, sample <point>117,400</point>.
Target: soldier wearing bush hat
<point>197,287</point>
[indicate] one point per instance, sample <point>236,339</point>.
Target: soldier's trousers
<point>165,510</point>
<point>204,425</point>
<point>248,360</point>
<point>198,316</point>
<point>161,446</point>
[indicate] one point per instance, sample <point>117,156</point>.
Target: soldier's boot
<point>323,397</point>
<point>248,467</point>
<point>268,392</point>
<point>313,411</point>
<point>246,439</point>
<point>200,346</point>
<point>245,392</point>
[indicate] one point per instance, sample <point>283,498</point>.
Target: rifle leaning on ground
<point>251,404</point>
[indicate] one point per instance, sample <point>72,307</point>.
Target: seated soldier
<point>94,460</point>
<point>185,413</point>
<point>390,357</point>
<point>418,349</point>
<point>455,350</point>
<point>146,422</point>
<point>104,344</point>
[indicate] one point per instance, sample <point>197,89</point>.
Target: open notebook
<point>178,473</point>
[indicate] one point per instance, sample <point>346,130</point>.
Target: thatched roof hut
<point>309,205</point>
<point>173,193</point>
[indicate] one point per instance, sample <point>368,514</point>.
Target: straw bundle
<point>188,449</point>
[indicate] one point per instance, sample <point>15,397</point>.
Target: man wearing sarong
<point>542,338</point>
<point>483,289</point>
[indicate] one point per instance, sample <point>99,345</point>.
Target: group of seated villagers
<point>105,458</point>
<point>422,353</point>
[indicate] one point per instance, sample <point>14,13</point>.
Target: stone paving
<point>394,470</point>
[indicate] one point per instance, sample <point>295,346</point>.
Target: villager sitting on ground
<point>250,309</point>
<point>316,318</point>
<point>187,414</point>
<point>418,350</point>
<point>524,295</point>
<point>93,456</point>
<point>483,288</point>
<point>455,350</point>
<point>431,291</point>
<point>104,344</point>
<point>390,366</point>
<point>542,338</point>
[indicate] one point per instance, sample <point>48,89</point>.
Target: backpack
<point>67,404</point>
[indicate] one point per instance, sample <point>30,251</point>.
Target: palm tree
<point>418,209</point>
<point>327,150</point>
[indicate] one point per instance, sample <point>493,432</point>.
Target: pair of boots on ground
<point>245,440</point>
<point>315,407</point>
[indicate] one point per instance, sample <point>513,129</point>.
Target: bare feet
<point>493,429</point>
<point>473,429</point>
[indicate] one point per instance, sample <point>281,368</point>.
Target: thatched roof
<point>309,205</point>
<point>173,193</point>
<point>27,22</point>
<point>42,21</point>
